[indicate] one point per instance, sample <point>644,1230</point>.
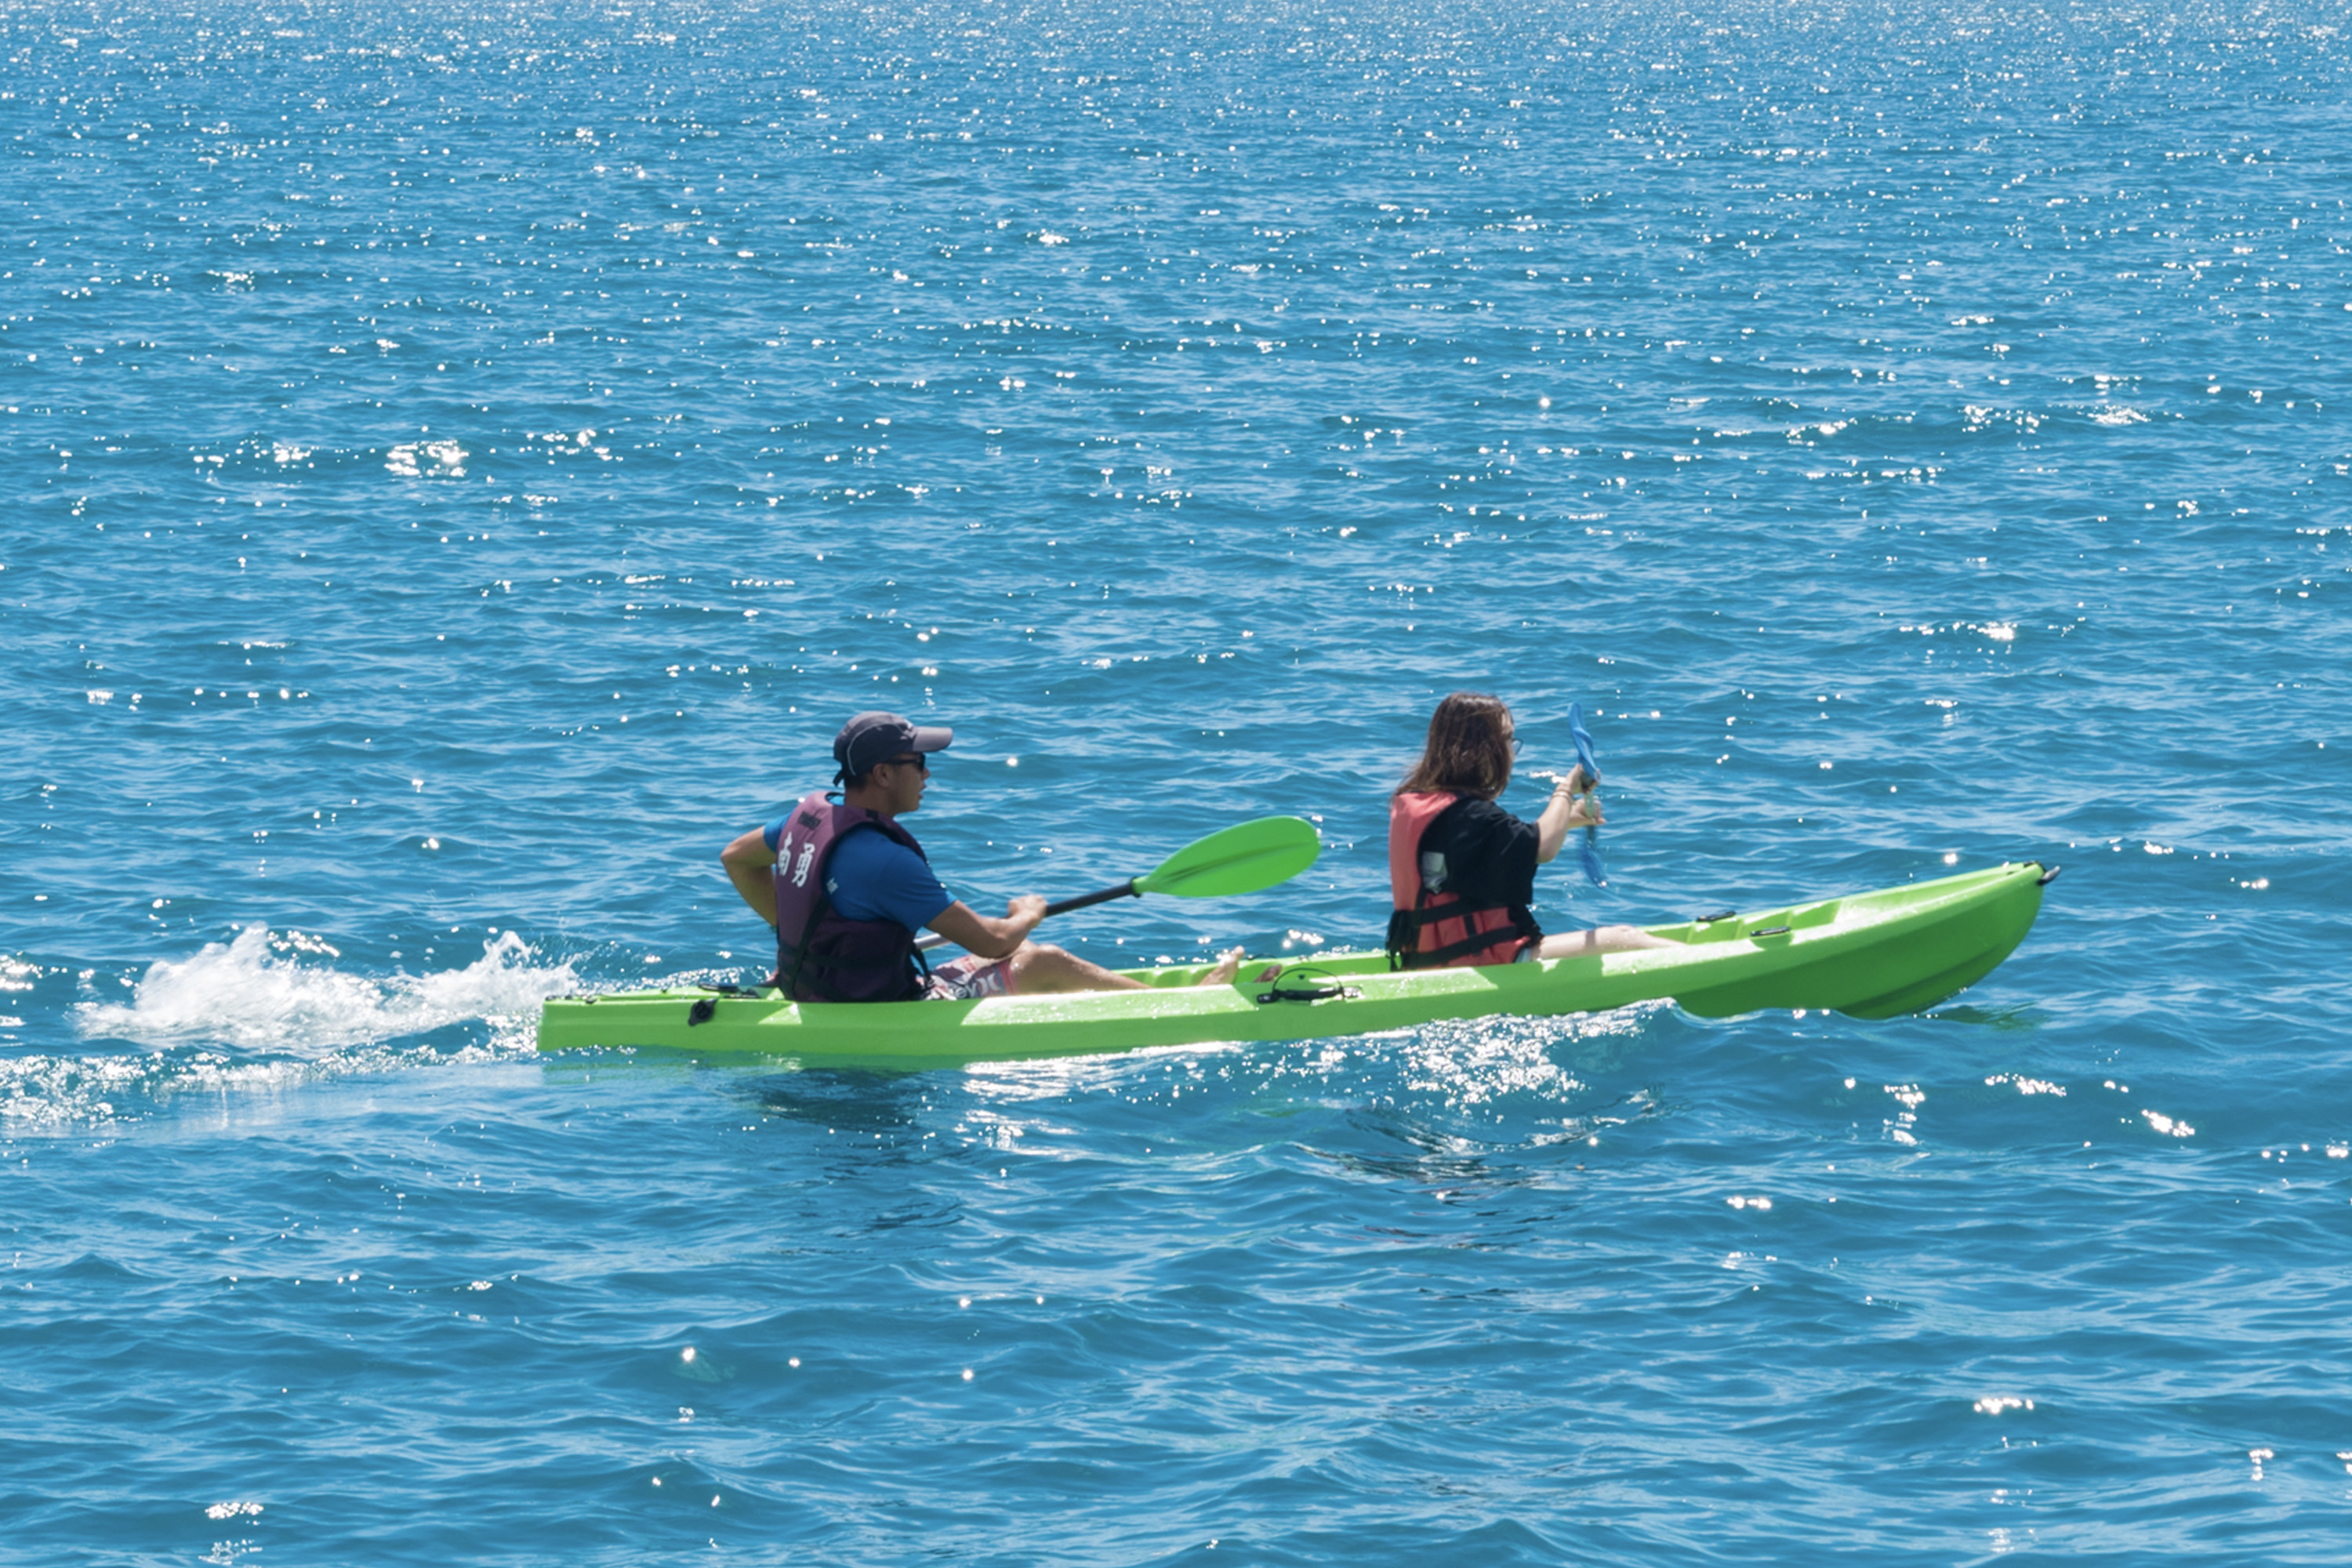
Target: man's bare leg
<point>1600,939</point>
<point>1039,969</point>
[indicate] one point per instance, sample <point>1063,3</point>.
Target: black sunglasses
<point>919,763</point>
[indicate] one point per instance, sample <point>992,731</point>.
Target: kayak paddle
<point>1590,846</point>
<point>1245,859</point>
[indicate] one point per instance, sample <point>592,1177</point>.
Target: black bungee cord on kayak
<point>1333,986</point>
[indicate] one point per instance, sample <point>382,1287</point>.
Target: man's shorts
<point>969,978</point>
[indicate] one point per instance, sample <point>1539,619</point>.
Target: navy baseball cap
<point>876,737</point>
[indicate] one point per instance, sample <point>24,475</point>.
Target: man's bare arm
<point>750,865</point>
<point>989,937</point>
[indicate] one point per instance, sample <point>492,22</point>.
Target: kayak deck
<point>1873,955</point>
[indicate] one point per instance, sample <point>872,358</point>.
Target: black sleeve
<point>1490,855</point>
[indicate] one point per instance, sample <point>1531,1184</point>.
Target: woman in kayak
<point>1462,870</point>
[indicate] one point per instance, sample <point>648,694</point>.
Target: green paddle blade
<point>1242,859</point>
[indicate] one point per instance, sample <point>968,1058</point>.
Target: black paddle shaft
<point>1084,900</point>
<point>1088,900</point>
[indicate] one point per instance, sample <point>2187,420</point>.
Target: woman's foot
<point>1228,964</point>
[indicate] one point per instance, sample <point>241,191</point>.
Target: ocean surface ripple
<point>462,465</point>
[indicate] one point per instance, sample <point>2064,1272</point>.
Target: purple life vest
<point>821,955</point>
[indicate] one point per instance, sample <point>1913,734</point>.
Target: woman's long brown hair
<point>1469,750</point>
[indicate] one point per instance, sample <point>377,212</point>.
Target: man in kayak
<point>1462,870</point>
<point>847,888</point>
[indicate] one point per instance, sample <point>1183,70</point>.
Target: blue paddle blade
<point>1583,738</point>
<point>1588,848</point>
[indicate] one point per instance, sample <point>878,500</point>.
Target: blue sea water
<point>460,466</point>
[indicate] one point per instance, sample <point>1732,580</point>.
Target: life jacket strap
<point>790,974</point>
<point>1404,941</point>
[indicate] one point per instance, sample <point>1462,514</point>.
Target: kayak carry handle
<point>1770,930</point>
<point>1710,919</point>
<point>2048,876</point>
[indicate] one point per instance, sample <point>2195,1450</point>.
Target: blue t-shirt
<point>873,877</point>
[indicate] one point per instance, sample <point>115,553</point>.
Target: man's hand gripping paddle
<point>1245,859</point>
<point>1589,848</point>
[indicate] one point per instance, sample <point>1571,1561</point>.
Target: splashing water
<point>245,993</point>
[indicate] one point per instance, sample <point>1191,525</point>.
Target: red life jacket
<point>822,956</point>
<point>1436,930</point>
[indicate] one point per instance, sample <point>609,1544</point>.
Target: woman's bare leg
<point>1600,939</point>
<point>1039,969</point>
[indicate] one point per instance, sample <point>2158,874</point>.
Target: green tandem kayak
<point>1872,955</point>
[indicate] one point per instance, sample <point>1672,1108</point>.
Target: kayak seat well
<point>1739,927</point>
<point>1807,917</point>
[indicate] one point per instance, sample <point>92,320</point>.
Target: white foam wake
<point>258,993</point>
